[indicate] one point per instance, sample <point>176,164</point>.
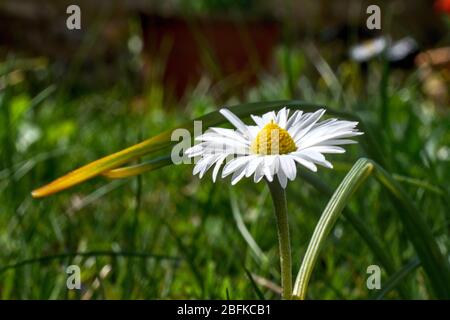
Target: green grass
<point>168,235</point>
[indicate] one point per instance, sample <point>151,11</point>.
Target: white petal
<point>315,157</point>
<point>312,154</point>
<point>282,117</point>
<point>292,119</point>
<point>327,149</point>
<point>209,164</point>
<point>224,145</point>
<point>222,140</point>
<point>288,166</point>
<point>269,167</point>
<point>235,164</point>
<point>253,131</point>
<point>195,151</point>
<point>259,172</point>
<point>303,127</point>
<point>252,166</point>
<point>230,133</point>
<point>237,175</point>
<point>312,140</point>
<point>282,179</point>
<point>234,120</point>
<point>217,167</point>
<point>259,121</point>
<point>304,162</point>
<point>337,142</point>
<point>202,164</point>
<point>268,117</point>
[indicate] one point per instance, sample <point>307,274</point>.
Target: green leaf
<point>375,245</point>
<point>357,175</point>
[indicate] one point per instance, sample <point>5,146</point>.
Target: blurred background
<point>137,68</point>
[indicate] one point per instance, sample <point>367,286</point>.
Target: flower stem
<point>279,201</point>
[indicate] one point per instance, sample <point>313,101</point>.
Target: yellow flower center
<point>273,140</point>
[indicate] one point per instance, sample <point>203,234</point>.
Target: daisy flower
<point>272,147</point>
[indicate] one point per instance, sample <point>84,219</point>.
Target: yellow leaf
<point>135,170</point>
<point>104,164</point>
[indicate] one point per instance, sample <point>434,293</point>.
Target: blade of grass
<point>44,259</point>
<point>227,294</point>
<point>357,175</point>
<point>257,252</point>
<point>258,291</point>
<point>377,248</point>
<point>396,278</point>
<point>419,183</point>
<point>97,194</point>
<point>266,283</point>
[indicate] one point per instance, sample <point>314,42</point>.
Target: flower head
<point>272,147</point>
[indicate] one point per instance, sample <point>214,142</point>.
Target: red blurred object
<point>186,49</point>
<point>442,6</point>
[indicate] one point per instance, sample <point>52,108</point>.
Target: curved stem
<point>279,201</point>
